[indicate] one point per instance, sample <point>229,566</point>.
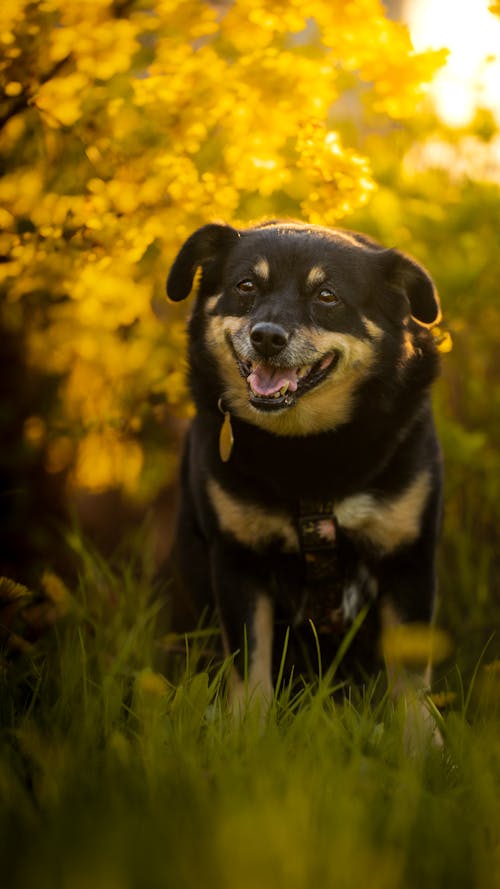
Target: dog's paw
<point>249,701</point>
<point>421,730</point>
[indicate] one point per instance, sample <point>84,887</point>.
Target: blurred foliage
<point>113,777</point>
<point>126,124</point>
<point>448,218</point>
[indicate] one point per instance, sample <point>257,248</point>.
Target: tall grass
<point>112,776</point>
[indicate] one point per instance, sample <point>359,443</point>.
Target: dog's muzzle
<point>273,385</point>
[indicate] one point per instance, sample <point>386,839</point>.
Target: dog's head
<point>297,317</point>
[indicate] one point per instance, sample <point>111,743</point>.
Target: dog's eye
<point>328,296</point>
<point>246,286</point>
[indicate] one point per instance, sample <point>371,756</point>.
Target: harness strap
<point>318,533</point>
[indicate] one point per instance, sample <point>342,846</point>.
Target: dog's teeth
<point>303,371</point>
<point>284,388</point>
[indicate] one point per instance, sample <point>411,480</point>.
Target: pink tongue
<point>266,380</point>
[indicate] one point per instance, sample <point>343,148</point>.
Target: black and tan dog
<point>312,473</point>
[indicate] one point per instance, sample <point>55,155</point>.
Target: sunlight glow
<point>471,77</point>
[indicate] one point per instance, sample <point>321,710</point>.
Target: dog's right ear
<point>206,247</point>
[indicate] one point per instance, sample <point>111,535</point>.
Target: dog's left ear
<point>411,281</point>
<point>206,247</point>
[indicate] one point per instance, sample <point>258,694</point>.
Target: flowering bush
<point>127,123</point>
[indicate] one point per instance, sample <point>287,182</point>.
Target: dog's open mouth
<point>271,388</point>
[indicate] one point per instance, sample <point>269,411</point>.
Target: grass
<point>113,777</point>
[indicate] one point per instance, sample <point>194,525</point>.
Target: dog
<point>311,476</point>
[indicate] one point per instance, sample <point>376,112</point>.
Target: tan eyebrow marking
<point>373,329</point>
<point>261,268</point>
<point>316,275</point>
<point>212,302</point>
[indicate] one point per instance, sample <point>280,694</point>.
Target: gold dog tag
<point>226,437</point>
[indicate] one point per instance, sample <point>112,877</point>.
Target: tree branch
<point>22,102</point>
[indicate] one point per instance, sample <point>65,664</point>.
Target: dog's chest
<point>311,538</point>
<point>382,524</point>
<point>331,542</point>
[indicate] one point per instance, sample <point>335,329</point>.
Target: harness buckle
<point>317,532</point>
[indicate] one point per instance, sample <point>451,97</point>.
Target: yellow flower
<point>415,644</point>
<point>150,684</point>
<point>106,461</point>
<point>58,593</point>
<point>442,699</point>
<point>60,99</point>
<point>13,88</point>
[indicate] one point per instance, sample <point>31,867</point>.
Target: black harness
<point>318,535</point>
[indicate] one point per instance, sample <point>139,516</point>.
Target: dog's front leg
<point>407,649</point>
<point>246,614</point>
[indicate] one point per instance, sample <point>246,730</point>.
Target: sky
<point>472,34</point>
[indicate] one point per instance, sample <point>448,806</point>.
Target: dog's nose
<point>268,338</point>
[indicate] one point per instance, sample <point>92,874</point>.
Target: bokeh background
<point>124,125</point>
